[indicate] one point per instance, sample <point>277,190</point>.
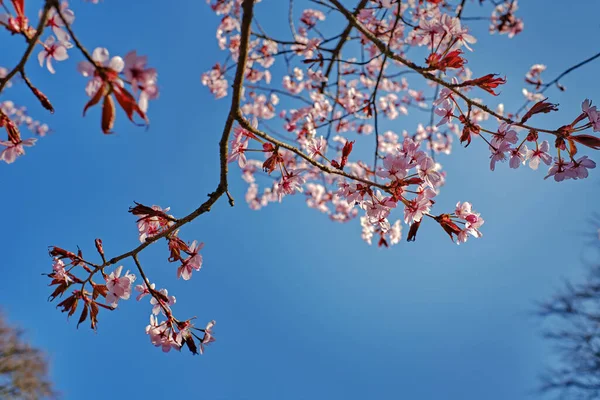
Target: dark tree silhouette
<point>23,369</point>
<point>573,318</point>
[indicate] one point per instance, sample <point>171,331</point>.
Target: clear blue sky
<point>304,308</point>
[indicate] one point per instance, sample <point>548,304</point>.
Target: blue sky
<point>304,308</point>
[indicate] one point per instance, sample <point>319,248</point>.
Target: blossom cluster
<point>412,178</point>
<point>73,272</point>
<point>108,77</point>
<point>324,101</point>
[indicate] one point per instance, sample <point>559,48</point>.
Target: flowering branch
<point>321,90</point>
<point>31,42</point>
<point>556,80</point>
<point>172,333</point>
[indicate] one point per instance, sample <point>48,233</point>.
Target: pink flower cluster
<point>169,334</point>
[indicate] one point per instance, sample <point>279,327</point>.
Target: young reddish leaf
<point>540,107</point>
<point>487,83</point>
<point>189,341</point>
<point>448,225</point>
<point>93,314</point>
<point>382,242</point>
<point>572,147</point>
<point>99,290</point>
<point>451,60</point>
<point>587,140</point>
<point>108,114</point>
<point>60,289</point>
<point>69,304</point>
<point>412,231</point>
<point>271,163</point>
<point>94,100</point>
<point>83,316</point>
<point>19,6</point>
<point>128,103</point>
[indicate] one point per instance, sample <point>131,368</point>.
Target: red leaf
<point>539,107</point>
<point>448,225</point>
<point>83,316</point>
<point>108,114</point>
<point>95,99</point>
<point>94,314</point>
<point>128,103</point>
<point>412,232</point>
<point>19,6</point>
<point>487,83</point>
<point>587,140</point>
<point>451,60</point>
<point>60,289</point>
<point>572,148</point>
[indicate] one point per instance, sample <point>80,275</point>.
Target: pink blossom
<point>579,168</point>
<point>289,184</point>
<point>160,335</point>
<point>14,150</point>
<point>317,147</point>
<point>540,153</point>
<point>238,150</point>
<point>560,170</point>
<point>310,17</point>
<point>136,72</point>
<point>460,34</point>
<point>56,23</point>
<point>149,92</point>
<point>533,76</point>
<point>59,271</point>
<point>149,226</point>
<point>208,337</point>
<point>141,77</point>
<point>505,134</point>
<point>498,154</point>
<point>472,219</point>
<point>101,58</point>
<point>445,111</point>
<point>306,47</point>
<point>158,305</point>
<point>378,208</point>
<point>143,289</point>
<point>445,94</point>
<point>396,166</point>
<point>215,81</point>
<point>428,172</point>
<point>192,262</point>
<point>119,287</point>
<point>463,209</point>
<point>518,156</point>
<point>592,113</point>
<point>52,50</point>
<point>415,209</point>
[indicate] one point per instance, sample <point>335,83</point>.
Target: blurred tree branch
<point>573,317</point>
<point>23,368</point>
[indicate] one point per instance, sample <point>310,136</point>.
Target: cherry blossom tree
<point>301,104</point>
